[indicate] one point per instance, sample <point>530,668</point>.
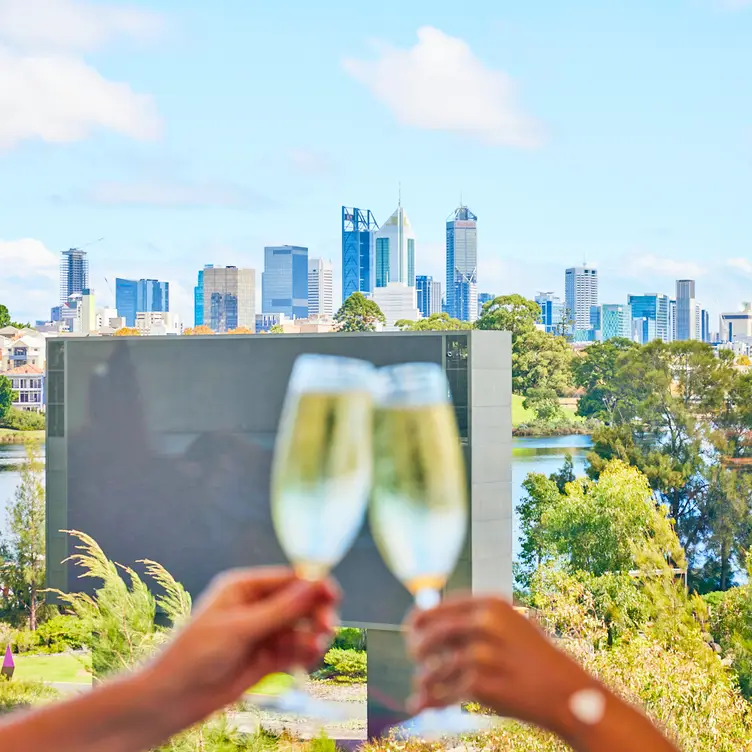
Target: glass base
<point>441,723</point>
<point>298,703</point>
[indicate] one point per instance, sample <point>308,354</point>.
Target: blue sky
<point>617,132</point>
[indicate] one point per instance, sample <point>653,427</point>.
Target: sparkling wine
<point>418,510</point>
<point>321,477</point>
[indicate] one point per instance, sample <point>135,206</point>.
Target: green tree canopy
<point>510,313</point>
<point>359,314</point>
<point>7,396</point>
<point>435,322</point>
<point>4,316</point>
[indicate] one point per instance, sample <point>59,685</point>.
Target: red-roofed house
<point>28,382</point>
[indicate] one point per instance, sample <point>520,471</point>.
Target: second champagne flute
<point>419,508</point>
<point>321,479</point>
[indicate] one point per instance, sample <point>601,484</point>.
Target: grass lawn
<point>57,669</point>
<point>274,684</point>
<point>520,415</point>
<point>9,436</point>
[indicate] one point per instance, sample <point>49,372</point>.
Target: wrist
<point>578,707</point>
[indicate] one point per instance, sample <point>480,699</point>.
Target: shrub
<point>15,694</point>
<point>345,666</point>
<point>350,638</point>
<point>23,420</point>
<point>64,632</point>
<point>24,641</point>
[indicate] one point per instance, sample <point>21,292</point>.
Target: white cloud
<point>175,194</point>
<point>310,162</point>
<point>72,24</point>
<point>661,266</point>
<point>439,84</point>
<point>29,279</point>
<point>48,92</point>
<point>27,258</point>
<point>741,264</point>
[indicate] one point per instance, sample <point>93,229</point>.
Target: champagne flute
<point>419,508</point>
<point>321,480</point>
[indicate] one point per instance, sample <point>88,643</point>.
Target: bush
<point>23,420</point>
<point>24,641</point>
<point>64,632</point>
<point>345,666</point>
<point>350,638</point>
<point>15,695</point>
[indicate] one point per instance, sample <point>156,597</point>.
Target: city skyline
<point>567,144</point>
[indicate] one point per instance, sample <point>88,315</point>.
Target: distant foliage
<point>350,638</point>
<point>436,322</point>
<point>7,397</point>
<point>241,330</point>
<point>344,666</point>
<point>17,694</point>
<point>127,331</point>
<point>23,420</point>
<point>359,314</point>
<point>198,331</point>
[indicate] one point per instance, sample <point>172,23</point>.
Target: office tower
<point>595,318</point>
<point>428,295</point>
<point>284,282</point>
<point>320,288</point>
<point>397,301</point>
<point>229,298</point>
<point>671,321</point>
<point>705,326</point>
<point>198,298</point>
<point>653,307</point>
<point>462,264</point>
<point>358,251</point>
<point>74,273</point>
<point>581,294</point>
<point>686,316</point>
<point>395,250</point>
<point>553,313</point>
<point>86,313</point>
<point>616,321</point>
<point>737,325</point>
<point>140,296</point>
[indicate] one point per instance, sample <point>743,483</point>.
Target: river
<point>529,455</point>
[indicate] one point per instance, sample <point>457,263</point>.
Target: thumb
<point>261,619</point>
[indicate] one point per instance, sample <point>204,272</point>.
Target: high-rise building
<point>671,321</point>
<point>581,294</point>
<point>652,307</point>
<point>737,325</point>
<point>428,295</point>
<point>395,250</point>
<point>198,298</point>
<point>229,298</point>
<point>320,288</point>
<point>462,264</point>
<point>552,313</point>
<point>397,301</point>
<point>705,326</point>
<point>358,251</point>
<point>140,296</point>
<point>74,273</point>
<point>483,298</point>
<point>616,321</point>
<point>686,315</point>
<point>284,283</point>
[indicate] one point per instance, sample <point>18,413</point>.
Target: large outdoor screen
<point>168,447</point>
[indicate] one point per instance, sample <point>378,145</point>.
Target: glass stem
<point>300,679</point>
<point>427,598</point>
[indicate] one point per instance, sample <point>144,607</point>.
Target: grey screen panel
<point>169,447</point>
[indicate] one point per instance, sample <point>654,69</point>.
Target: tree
<point>7,397</point>
<point>277,329</point>
<point>510,313</point>
<point>198,331</point>
<point>544,402</point>
<point>596,373</point>
<point>127,331</point>
<point>4,316</point>
<point>435,322</point>
<point>241,330</point>
<point>358,314</point>
<point>26,539</point>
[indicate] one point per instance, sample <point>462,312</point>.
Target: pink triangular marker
<point>9,667</point>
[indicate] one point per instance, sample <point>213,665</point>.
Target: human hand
<point>482,650</point>
<point>250,623</point>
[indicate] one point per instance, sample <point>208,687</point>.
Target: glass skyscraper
<point>552,313</point>
<point>651,307</point>
<point>358,251</point>
<point>284,283</point>
<point>395,251</point>
<point>616,321</point>
<point>198,298</point>
<point>428,295</point>
<point>462,265</point>
<point>74,273</point>
<point>686,315</point>
<point>140,296</point>
<point>229,298</point>
<point>581,294</point>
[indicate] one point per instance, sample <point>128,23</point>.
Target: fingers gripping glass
<point>321,479</point>
<point>419,509</point>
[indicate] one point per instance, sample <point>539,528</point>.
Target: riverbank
<point>525,424</point>
<point>538,430</point>
<point>9,436</point>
